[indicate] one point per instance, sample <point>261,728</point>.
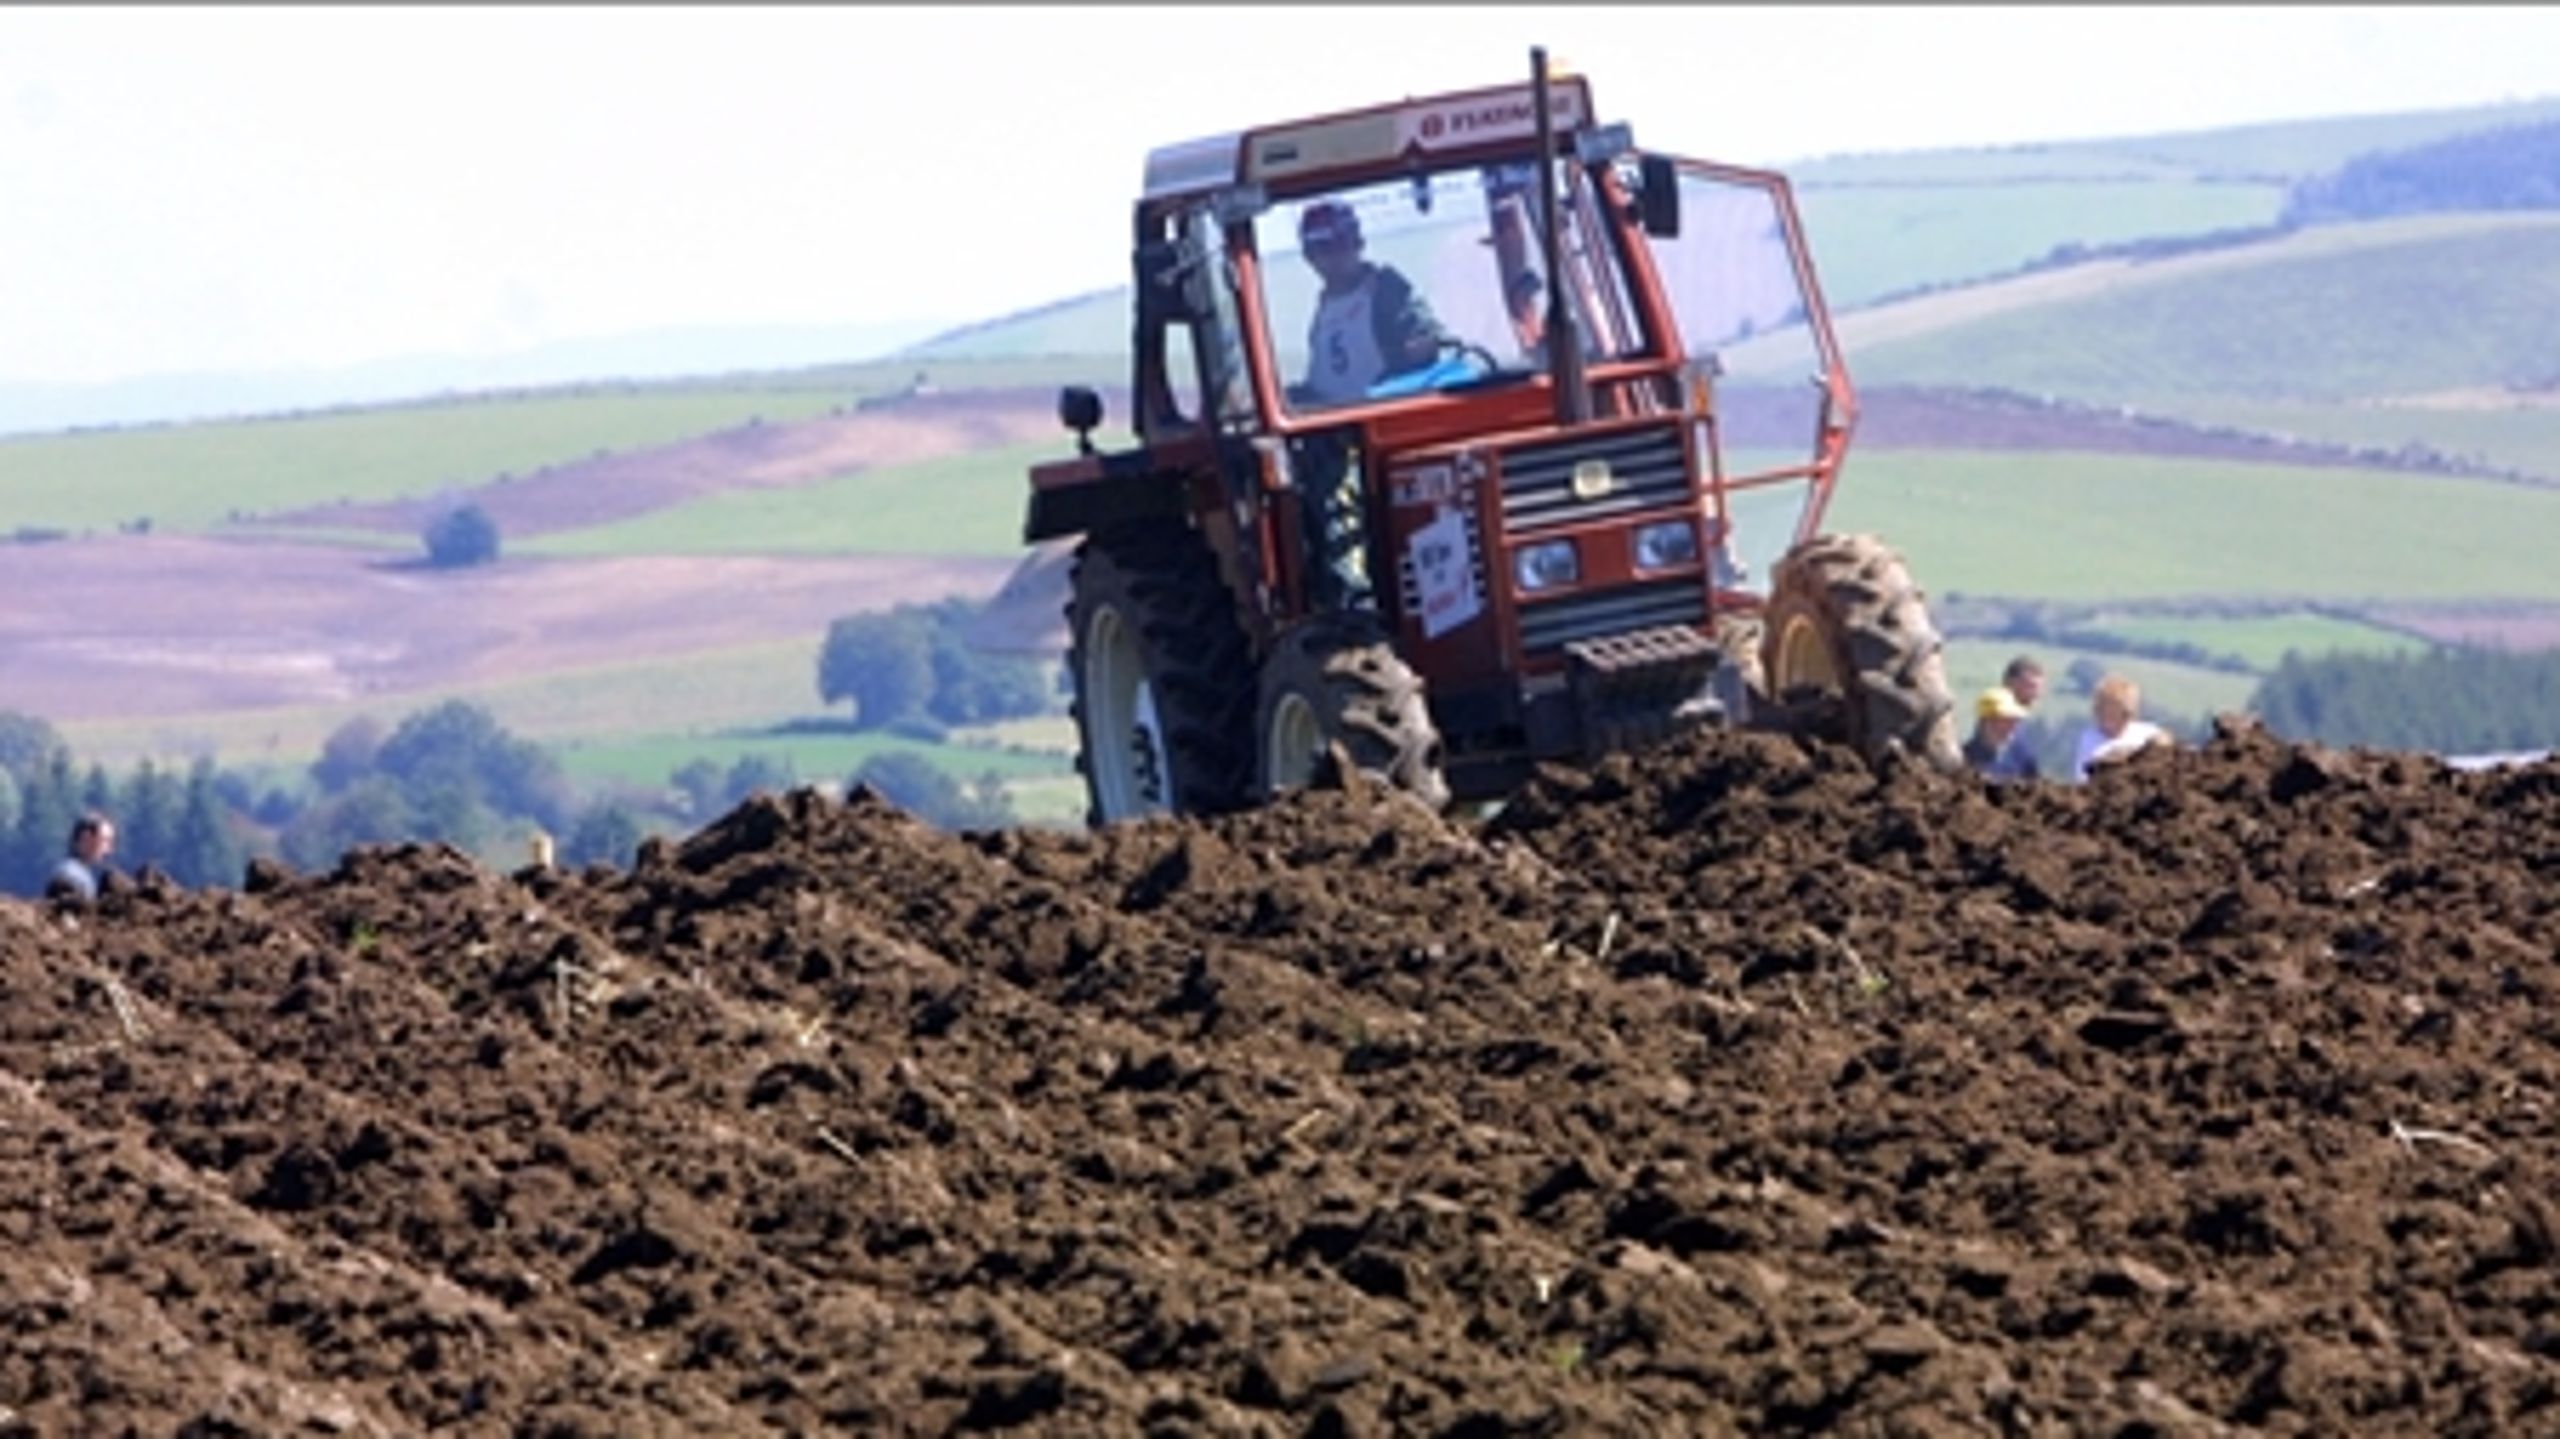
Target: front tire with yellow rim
<point>1848,636</point>
<point>1336,680</point>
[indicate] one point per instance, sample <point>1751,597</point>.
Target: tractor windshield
<point>1431,282</point>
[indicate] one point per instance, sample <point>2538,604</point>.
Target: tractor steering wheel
<point>1469,349</point>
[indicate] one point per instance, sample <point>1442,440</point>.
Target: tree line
<point>2513,167</point>
<point>186,824</point>
<point>451,773</point>
<point>448,774</point>
<point>2449,701</point>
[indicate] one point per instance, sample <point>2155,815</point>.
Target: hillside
<point>2278,151</point>
<point>2371,310</point>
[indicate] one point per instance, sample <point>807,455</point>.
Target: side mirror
<point>1658,195</point>
<point>1080,410</point>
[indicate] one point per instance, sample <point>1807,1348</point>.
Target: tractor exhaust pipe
<point>1564,349</point>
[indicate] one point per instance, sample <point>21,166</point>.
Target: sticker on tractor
<point>1444,574</point>
<point>1426,485</point>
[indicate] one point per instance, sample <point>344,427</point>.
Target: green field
<point>196,476</point>
<point>2099,527</point>
<point>1992,166</point>
<point>2335,314</point>
<point>1871,242</point>
<point>2262,644</point>
<point>963,505</point>
<point>2517,438</point>
<point>1088,325</point>
<point>647,760</point>
<point>2296,148</point>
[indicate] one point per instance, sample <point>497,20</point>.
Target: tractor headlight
<point>1665,545</point>
<point>1545,566</point>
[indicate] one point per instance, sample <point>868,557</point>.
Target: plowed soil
<point>1736,1089</point>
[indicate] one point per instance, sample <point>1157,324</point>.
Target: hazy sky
<point>240,189</point>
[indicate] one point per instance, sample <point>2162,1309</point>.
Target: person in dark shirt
<point>84,864</point>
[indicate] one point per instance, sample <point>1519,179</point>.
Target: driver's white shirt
<point>1343,359</point>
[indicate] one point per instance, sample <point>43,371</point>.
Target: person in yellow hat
<point>1998,749</point>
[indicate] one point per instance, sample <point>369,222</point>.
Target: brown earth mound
<point>1739,1089</point>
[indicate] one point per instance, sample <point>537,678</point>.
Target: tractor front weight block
<point>1642,687</point>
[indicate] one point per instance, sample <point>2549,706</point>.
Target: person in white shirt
<point>2114,730</point>
<point>1369,323</point>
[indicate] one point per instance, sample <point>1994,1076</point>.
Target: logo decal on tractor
<point>1426,485</point>
<point>1592,480</point>
<point>1508,116</point>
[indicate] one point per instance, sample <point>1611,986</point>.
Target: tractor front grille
<point>1647,470</point>
<point>1556,623</point>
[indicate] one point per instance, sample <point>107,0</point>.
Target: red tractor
<point>1374,514</point>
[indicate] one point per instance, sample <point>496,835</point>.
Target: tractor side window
<point>1744,314</point>
<point>1219,335</point>
<point>1732,281</point>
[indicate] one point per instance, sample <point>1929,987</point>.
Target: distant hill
<point>2278,151</point>
<point>2514,167</point>
<point>27,407</point>
<point>2372,311</point>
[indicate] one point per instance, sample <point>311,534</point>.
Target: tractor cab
<point>1471,387</point>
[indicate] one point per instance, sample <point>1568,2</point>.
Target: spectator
<point>1998,749</point>
<point>2025,679</point>
<point>84,867</point>
<point>2114,729</point>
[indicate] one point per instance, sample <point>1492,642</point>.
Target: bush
<point>465,536</point>
<point>348,754</point>
<point>605,834</point>
<point>927,791</point>
<point>916,659</point>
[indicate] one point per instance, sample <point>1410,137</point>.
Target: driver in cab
<point>1369,323</point>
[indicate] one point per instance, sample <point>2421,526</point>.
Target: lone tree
<point>881,662</point>
<point>460,537</point>
<point>916,661</point>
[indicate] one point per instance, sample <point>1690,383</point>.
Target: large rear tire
<point>1337,680</point>
<point>1848,634</point>
<point>1163,676</point>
